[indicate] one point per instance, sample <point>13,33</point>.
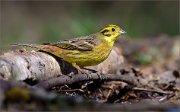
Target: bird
<point>84,51</point>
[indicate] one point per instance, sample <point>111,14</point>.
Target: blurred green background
<point>45,21</point>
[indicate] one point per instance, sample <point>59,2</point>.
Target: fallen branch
<point>65,79</point>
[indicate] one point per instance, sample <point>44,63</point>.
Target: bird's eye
<point>113,29</point>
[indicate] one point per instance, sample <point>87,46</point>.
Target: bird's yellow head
<point>111,32</point>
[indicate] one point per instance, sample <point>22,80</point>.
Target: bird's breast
<point>98,55</point>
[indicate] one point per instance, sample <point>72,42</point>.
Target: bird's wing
<point>82,44</point>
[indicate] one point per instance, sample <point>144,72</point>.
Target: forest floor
<point>154,62</point>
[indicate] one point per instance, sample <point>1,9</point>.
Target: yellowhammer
<point>84,51</point>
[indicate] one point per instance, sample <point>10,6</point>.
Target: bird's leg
<point>80,71</point>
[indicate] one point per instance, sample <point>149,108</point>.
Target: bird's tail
<point>26,45</point>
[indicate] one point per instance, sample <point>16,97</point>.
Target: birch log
<point>22,65</point>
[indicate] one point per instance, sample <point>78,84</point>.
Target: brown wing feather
<point>83,44</point>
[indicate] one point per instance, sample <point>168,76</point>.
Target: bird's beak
<point>122,31</point>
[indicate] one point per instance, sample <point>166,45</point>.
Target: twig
<point>152,90</point>
<point>72,90</point>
